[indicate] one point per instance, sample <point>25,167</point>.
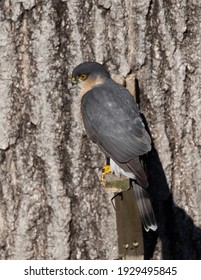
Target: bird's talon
<point>106,170</point>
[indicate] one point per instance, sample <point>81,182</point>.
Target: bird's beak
<point>73,81</point>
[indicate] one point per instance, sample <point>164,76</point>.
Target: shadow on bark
<point>180,238</point>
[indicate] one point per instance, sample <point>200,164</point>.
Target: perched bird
<point>112,120</point>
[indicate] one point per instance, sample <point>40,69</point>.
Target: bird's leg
<point>106,170</point>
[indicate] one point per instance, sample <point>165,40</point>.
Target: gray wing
<point>112,120</point>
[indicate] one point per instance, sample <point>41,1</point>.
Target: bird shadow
<point>180,238</point>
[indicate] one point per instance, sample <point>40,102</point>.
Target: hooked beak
<point>73,81</point>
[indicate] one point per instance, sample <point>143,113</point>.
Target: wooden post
<point>130,236</point>
<point>130,239</point>
<point>129,229</point>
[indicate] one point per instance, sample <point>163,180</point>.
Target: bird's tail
<point>145,207</point>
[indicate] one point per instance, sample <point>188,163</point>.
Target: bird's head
<point>89,74</point>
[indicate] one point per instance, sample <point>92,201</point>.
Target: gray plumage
<point>112,120</point>
<point>111,116</point>
<point>145,207</point>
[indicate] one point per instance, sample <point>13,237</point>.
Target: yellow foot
<point>106,170</point>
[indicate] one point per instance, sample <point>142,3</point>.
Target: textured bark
<point>51,203</point>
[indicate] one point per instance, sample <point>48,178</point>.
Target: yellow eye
<point>83,77</point>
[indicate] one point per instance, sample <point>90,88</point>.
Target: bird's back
<point>112,120</point>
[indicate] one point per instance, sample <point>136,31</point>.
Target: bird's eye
<point>83,77</point>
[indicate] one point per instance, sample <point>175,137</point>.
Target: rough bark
<point>51,203</point>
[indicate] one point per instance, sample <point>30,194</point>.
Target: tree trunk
<point>52,205</point>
